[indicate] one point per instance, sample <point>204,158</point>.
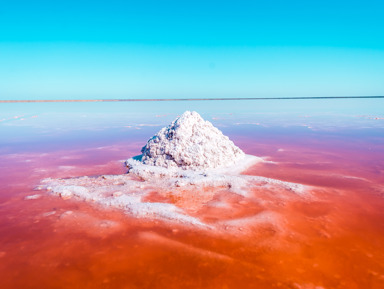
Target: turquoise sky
<point>171,49</point>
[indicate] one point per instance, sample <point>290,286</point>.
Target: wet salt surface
<point>265,237</point>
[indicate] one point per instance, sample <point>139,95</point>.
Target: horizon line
<point>188,99</point>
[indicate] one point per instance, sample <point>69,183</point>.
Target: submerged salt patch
<point>190,142</point>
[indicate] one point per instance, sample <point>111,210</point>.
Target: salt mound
<point>190,143</point>
<point>195,171</point>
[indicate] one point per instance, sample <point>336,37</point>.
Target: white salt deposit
<point>126,193</point>
<point>192,143</point>
<point>178,164</point>
<point>120,192</point>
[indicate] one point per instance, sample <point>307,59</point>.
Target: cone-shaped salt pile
<point>190,142</point>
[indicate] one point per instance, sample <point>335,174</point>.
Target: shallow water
<point>333,239</point>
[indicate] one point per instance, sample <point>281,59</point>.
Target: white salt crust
<point>183,159</point>
<point>127,193</point>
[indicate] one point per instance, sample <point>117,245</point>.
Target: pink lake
<point>334,240</point>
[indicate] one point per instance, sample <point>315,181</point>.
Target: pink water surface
<point>334,241</point>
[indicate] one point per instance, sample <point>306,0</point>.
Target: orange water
<point>335,241</point>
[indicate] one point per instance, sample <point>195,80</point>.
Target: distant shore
<point>186,99</point>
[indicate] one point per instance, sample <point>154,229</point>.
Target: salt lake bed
<point>307,213</point>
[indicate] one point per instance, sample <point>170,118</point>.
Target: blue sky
<point>171,49</point>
